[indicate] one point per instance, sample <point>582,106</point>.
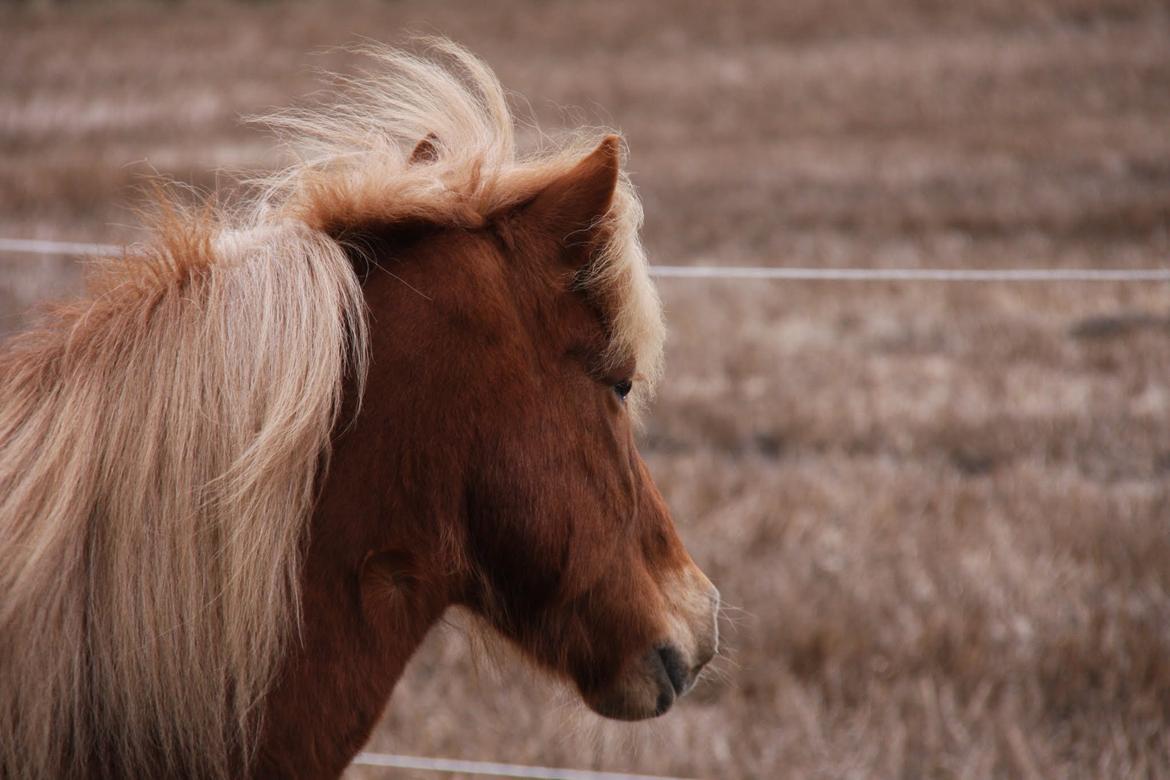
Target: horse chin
<point>646,690</point>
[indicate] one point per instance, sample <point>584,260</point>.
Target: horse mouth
<point>658,679</point>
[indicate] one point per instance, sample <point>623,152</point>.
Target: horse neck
<point>370,591</point>
<point>338,678</point>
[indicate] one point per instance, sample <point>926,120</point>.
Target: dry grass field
<point>940,513</point>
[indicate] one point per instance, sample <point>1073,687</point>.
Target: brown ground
<point>941,512</point>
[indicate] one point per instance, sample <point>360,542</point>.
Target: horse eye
<point>623,388</point>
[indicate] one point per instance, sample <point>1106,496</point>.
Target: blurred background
<point>940,514</point>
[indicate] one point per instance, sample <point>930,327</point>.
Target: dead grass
<point>940,512</point>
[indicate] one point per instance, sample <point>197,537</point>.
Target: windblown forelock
<point>621,276</point>
<point>355,170</point>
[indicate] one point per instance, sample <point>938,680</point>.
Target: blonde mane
<point>161,440</point>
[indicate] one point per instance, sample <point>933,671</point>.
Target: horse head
<point>499,367</point>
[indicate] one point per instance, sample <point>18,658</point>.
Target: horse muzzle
<point>656,679</point>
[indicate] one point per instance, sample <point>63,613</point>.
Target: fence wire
<point>756,273</point>
<point>491,769</point>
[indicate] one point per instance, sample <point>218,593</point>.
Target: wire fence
<point>789,273</point>
<point>32,246</point>
<point>756,273</point>
<point>491,769</point>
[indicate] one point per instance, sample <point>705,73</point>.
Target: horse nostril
<point>676,668</point>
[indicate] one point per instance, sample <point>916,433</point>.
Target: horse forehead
<point>482,266</point>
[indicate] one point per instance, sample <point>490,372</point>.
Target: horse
<point>257,460</point>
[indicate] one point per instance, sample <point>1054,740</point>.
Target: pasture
<point>939,514</point>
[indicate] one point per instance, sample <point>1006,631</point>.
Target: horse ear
<point>425,151</point>
<point>571,207</point>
